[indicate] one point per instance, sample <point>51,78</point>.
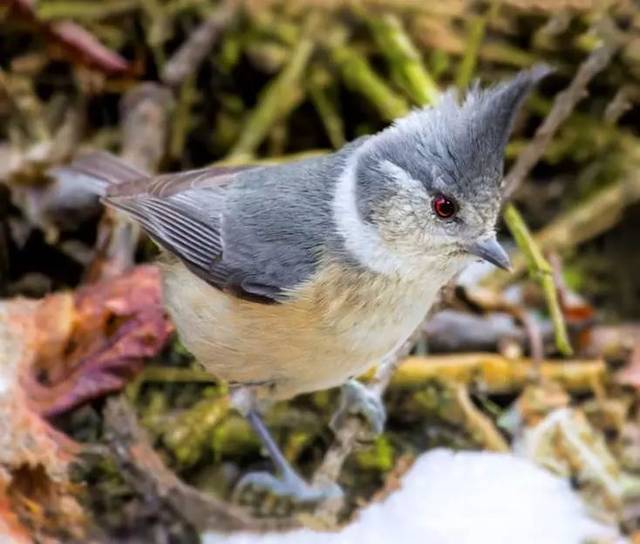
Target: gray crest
<point>461,143</point>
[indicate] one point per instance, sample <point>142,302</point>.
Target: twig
<point>145,471</point>
<point>541,271</point>
<point>478,424</point>
<point>186,60</point>
<point>496,374</point>
<point>563,105</point>
<point>404,59</point>
<point>145,111</point>
<point>317,87</point>
<point>592,217</point>
<point>346,436</point>
<point>619,105</point>
<point>360,77</point>
<point>476,31</point>
<point>278,98</point>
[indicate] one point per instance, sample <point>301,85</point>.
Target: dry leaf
<point>28,445</point>
<point>81,44</point>
<point>11,530</point>
<point>57,353</point>
<point>93,342</point>
<point>563,440</point>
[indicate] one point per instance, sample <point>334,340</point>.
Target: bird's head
<point>430,185</point>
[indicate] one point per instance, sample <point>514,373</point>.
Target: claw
<point>356,399</point>
<point>289,487</point>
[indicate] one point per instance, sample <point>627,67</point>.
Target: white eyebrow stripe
<point>402,177</point>
<point>438,180</point>
<point>440,185</point>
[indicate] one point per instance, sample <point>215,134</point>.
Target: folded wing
<point>182,212</point>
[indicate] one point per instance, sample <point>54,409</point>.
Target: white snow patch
<point>460,498</point>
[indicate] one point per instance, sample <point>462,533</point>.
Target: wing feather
<point>217,231</point>
<point>188,223</point>
<point>177,228</point>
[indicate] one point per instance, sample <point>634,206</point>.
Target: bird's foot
<point>356,399</point>
<point>282,494</point>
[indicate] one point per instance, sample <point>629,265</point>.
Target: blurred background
<point>178,84</point>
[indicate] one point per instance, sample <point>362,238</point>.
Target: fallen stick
<point>145,471</point>
<point>187,59</point>
<point>145,113</point>
<point>495,374</point>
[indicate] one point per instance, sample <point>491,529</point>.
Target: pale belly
<point>336,328</point>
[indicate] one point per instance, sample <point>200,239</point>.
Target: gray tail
<point>96,171</point>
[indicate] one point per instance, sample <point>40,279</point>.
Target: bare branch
<point>187,59</point>
<point>145,471</point>
<point>144,112</point>
<point>563,106</point>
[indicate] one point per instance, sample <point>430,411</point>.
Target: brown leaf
<point>11,530</point>
<point>78,42</point>
<point>25,438</point>
<point>59,352</point>
<point>48,509</point>
<point>93,342</point>
<point>28,445</point>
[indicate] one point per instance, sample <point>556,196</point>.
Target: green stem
<point>85,11</point>
<point>277,100</point>
<point>540,270</point>
<point>360,77</point>
<point>167,375</point>
<point>326,107</point>
<point>467,67</point>
<point>404,59</point>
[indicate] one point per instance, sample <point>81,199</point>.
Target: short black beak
<point>491,251</point>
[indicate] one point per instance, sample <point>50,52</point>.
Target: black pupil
<point>444,207</point>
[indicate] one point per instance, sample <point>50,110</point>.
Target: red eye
<point>444,207</point>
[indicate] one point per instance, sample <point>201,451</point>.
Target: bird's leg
<point>356,399</point>
<point>287,483</point>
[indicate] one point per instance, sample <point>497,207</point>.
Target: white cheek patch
<point>362,240</point>
<point>364,243</point>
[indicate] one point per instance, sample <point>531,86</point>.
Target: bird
<point>296,277</point>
